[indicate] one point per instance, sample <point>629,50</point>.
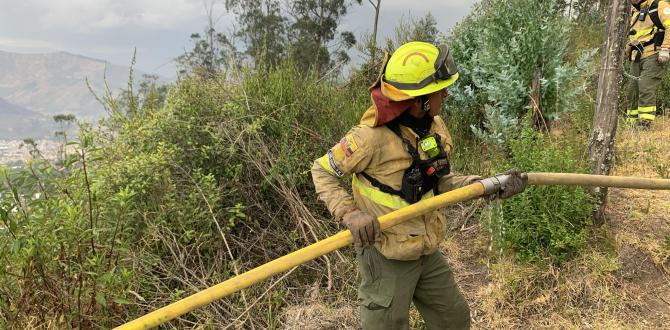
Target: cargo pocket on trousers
<point>377,295</point>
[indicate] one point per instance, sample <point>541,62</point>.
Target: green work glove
<point>516,183</point>
<point>364,227</point>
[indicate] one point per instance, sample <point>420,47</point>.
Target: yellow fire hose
<point>343,238</point>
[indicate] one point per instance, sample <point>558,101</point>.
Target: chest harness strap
<point>421,176</point>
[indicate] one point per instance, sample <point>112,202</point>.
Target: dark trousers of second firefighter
<point>642,91</point>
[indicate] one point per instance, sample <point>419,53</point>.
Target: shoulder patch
<point>337,153</point>
<point>348,144</point>
<point>666,11</point>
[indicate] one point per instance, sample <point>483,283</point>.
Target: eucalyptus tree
<point>263,29</point>
<point>315,41</point>
<point>211,52</point>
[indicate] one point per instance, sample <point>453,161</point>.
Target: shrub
<point>173,199</point>
<point>66,250</point>
<point>545,223</point>
<point>498,49</point>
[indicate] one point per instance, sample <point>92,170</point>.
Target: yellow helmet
<point>420,68</point>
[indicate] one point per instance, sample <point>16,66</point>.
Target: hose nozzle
<point>494,184</point>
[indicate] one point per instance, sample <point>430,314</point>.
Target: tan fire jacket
<point>644,30</point>
<point>381,154</point>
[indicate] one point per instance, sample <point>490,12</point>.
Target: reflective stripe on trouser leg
<point>631,116</point>
<point>646,113</point>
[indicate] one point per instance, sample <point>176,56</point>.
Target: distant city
<point>16,152</point>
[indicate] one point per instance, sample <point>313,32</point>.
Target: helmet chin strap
<point>420,109</point>
<point>425,103</point>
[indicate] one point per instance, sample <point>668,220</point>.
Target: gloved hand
<point>364,227</point>
<point>516,183</point>
<point>663,55</point>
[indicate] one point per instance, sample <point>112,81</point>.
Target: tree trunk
<point>374,33</point>
<point>539,122</point>
<point>603,133</point>
<point>570,10</point>
<point>317,63</point>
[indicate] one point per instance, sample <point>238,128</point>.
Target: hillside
<point>52,83</point>
<point>19,122</point>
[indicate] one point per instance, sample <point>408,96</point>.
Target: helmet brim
<point>432,88</point>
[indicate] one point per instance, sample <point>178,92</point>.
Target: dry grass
<point>318,316</point>
<point>620,281</point>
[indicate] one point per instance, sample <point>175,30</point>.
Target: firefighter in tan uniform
<point>649,50</point>
<point>398,155</point>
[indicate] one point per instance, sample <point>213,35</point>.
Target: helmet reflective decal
<point>404,61</point>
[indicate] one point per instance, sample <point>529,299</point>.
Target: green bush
<point>65,252</point>
<point>545,223</point>
<point>167,199</point>
<point>498,49</point>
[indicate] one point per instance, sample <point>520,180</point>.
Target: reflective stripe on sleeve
<point>326,163</point>
<point>323,161</point>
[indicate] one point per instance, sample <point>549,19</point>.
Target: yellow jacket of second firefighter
<point>643,28</point>
<point>374,149</point>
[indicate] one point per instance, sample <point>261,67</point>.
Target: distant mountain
<point>54,83</point>
<point>17,122</point>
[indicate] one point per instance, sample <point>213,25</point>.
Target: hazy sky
<point>160,29</point>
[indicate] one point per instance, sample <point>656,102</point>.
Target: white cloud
<point>26,45</point>
<point>160,29</point>
<point>86,16</point>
